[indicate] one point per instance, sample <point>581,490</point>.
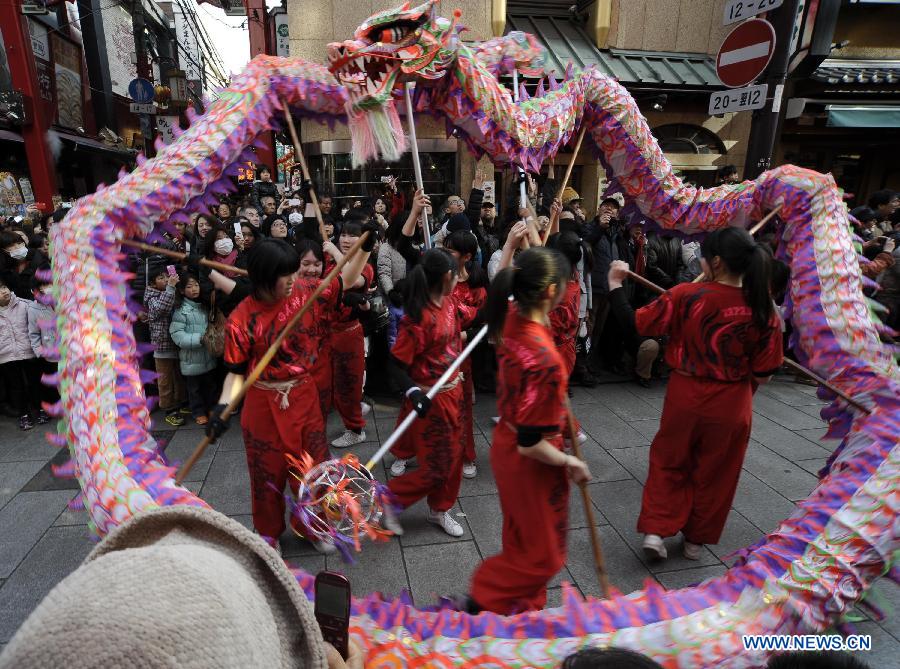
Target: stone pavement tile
<point>554,598</point>
<point>418,531</point>
<point>438,570</point>
<point>648,428</point>
<point>69,517</point>
<point>378,568</point>
<point>817,435</point>
<point>620,502</point>
<point>792,394</point>
<point>364,451</point>
<point>889,592</point>
<point>485,521</point>
<point>227,486</point>
<point>604,466</point>
<point>45,479</point>
<point>182,445</point>
<point>14,475</point>
<point>233,440</point>
<point>674,580</point>
<point>738,533</point>
<point>625,571</point>
<point>784,415</point>
<point>790,480</point>
<point>292,545</point>
<point>611,431</point>
<point>311,564</point>
<point>885,648</point>
<point>759,504</point>
<point>785,442</point>
<point>636,460</point>
<point>483,483</point>
<point>624,403</point>
<point>23,522</point>
<point>18,446</point>
<point>59,552</point>
<point>814,410</point>
<point>577,516</point>
<point>813,466</point>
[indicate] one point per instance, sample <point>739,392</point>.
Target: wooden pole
<point>298,154</point>
<point>808,373</point>
<point>565,181</point>
<point>182,256</point>
<point>270,353</point>
<point>756,228</point>
<point>599,562</point>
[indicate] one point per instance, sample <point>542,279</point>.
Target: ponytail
<point>425,279</point>
<point>533,271</point>
<point>752,261</point>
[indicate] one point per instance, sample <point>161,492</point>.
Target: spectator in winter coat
<point>160,301</point>
<point>665,263</point>
<point>263,187</point>
<point>189,322</point>
<point>19,262</point>
<point>19,369</point>
<point>884,203</point>
<point>43,335</point>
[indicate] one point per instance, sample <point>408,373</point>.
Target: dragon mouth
<point>367,77</point>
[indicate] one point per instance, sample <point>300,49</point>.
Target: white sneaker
<point>366,408</point>
<point>654,548</point>
<point>582,437</point>
<point>469,470</point>
<point>692,551</point>
<point>325,547</point>
<point>390,522</point>
<point>349,438</point>
<point>399,467</point>
<point>446,522</point>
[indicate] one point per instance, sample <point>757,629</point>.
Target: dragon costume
<point>801,578</point>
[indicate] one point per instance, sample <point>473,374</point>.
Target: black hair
<point>881,197</point>
<point>532,272</point>
<point>212,220</point>
<point>425,278</point>
<point>352,228</point>
<point>726,171</point>
<point>609,658</point>
<point>357,215</point>
<point>210,251</point>
<point>183,279</point>
<point>8,239</point>
<point>37,283</point>
<point>742,255</point>
<point>395,228</point>
<point>261,169</point>
<point>863,214</point>
<point>266,226</point>
<point>815,660</point>
<point>568,243</point>
<point>781,277</point>
<point>269,260</point>
<point>304,245</point>
<point>155,269</point>
<point>465,242</point>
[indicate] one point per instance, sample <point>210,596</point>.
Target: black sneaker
<point>25,423</point>
<point>42,417</point>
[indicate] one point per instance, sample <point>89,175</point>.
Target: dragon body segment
<point>802,577</point>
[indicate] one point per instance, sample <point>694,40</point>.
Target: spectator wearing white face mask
<point>19,262</point>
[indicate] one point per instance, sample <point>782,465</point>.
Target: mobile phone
<point>333,609</point>
<point>171,270</point>
<point>386,180</point>
<point>237,229</point>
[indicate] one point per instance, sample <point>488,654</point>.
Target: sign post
<point>738,10</point>
<point>745,53</point>
<point>738,100</point>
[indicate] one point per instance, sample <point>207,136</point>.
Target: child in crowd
<point>198,367</point>
<point>44,337</point>
<point>159,298</point>
<point>18,366</point>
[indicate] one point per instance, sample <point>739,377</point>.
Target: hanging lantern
<point>162,96</point>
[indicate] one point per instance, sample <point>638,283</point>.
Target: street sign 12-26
<point>738,99</point>
<point>738,10</point>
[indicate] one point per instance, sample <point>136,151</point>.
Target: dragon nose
<point>336,51</point>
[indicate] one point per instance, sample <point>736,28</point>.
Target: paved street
<point>42,541</point>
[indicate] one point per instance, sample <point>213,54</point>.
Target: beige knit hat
<point>174,587</point>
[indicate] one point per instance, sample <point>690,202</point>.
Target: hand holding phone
<point>171,270</point>
<point>332,610</point>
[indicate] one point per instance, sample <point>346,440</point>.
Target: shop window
<point>684,138</point>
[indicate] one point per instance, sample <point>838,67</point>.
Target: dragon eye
<point>391,35</point>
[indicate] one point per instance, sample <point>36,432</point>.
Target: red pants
<point>466,421</point>
<point>696,458</point>
<point>534,498</point>
<point>321,373</point>
<point>567,352</point>
<point>348,364</point>
<point>271,433</point>
<point>435,441</point>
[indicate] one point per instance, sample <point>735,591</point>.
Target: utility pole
<point>258,27</point>
<point>766,123</point>
<point>41,164</point>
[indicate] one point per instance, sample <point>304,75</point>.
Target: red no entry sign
<point>745,53</point>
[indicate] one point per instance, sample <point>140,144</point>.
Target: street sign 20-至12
<point>738,99</point>
<point>738,10</point>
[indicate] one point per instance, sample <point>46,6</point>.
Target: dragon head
<point>390,48</point>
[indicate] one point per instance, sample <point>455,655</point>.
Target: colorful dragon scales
<point>802,577</point>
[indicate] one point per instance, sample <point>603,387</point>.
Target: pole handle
<point>298,152</point>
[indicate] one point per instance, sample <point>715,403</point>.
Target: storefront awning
<point>844,116</point>
<point>566,41</point>
<point>881,75</point>
<point>94,145</point>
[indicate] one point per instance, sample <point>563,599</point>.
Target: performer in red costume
<point>531,468</point>
<point>428,341</point>
<point>724,335</point>
<point>348,348</point>
<point>281,413</point>
<point>471,290</point>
